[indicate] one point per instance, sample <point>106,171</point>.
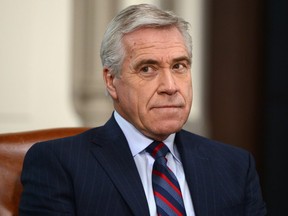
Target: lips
<point>169,103</point>
<point>167,106</point>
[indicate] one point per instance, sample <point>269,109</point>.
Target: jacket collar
<point>198,170</point>
<point>111,150</point>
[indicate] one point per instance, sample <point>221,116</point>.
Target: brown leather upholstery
<point>13,147</point>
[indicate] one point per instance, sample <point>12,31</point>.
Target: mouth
<point>167,107</point>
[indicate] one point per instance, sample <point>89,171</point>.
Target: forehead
<point>153,39</point>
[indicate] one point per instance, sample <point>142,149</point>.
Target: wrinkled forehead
<point>149,38</point>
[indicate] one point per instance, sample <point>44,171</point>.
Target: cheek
<point>190,94</point>
<point>188,91</point>
<point>128,99</point>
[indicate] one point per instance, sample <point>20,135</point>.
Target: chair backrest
<point>13,147</point>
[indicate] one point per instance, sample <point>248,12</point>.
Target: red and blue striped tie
<point>166,188</point>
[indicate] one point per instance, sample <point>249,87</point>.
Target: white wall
<point>35,49</point>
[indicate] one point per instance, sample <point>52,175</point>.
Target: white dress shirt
<point>144,162</point>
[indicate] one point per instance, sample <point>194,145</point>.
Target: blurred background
<point>51,75</point>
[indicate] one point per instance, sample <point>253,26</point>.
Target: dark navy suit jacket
<point>94,173</point>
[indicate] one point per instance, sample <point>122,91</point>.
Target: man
<point>111,170</point>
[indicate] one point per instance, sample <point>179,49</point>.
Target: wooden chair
<point>13,147</point>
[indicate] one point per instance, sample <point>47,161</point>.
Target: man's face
<point>154,90</point>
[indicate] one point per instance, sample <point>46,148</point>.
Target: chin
<point>169,127</point>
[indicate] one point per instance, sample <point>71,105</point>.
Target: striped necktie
<point>166,188</point>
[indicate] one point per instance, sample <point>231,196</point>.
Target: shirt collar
<point>134,136</point>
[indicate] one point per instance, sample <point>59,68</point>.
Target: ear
<point>109,82</point>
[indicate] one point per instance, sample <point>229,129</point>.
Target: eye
<point>180,67</point>
<point>147,70</point>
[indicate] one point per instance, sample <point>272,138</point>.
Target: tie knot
<point>157,149</point>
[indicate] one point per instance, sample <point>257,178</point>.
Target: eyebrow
<point>182,58</point>
<point>153,62</point>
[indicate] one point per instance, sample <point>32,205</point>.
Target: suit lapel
<point>199,174</point>
<point>111,150</point>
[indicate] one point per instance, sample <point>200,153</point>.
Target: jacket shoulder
<point>210,148</point>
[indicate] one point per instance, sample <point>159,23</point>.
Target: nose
<point>167,83</point>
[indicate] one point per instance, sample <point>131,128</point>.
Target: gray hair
<point>130,19</point>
